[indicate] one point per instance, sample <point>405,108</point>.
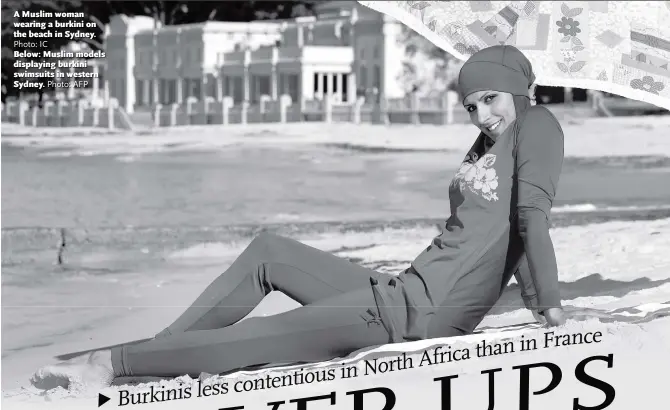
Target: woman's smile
<point>490,111</point>
<point>493,127</point>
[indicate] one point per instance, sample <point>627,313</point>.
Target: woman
<point>500,203</point>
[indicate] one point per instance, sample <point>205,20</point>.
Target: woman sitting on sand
<point>500,203</point>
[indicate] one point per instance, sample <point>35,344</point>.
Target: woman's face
<point>490,111</point>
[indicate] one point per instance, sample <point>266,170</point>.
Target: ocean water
<point>136,223</point>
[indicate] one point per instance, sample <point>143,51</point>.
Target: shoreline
<point>612,137</point>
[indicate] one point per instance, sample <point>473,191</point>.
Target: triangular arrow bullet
<point>102,399</point>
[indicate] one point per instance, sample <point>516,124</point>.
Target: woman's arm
<point>528,292</point>
<point>526,285</point>
<point>539,155</point>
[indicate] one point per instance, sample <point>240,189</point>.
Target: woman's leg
<point>270,262</point>
<point>329,328</point>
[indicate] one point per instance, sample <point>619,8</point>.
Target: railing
<point>67,114</point>
<point>225,112</point>
<point>412,110</point>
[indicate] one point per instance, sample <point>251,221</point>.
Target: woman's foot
<point>92,371</point>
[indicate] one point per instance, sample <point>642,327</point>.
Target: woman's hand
<point>538,316</point>
<point>554,316</point>
<point>550,317</point>
<point>558,316</point>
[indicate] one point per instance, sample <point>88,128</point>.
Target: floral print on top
<point>479,177</point>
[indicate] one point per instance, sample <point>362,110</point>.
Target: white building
<point>347,50</point>
<point>120,57</point>
<point>313,57</point>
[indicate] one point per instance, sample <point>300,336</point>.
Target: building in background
<point>345,51</point>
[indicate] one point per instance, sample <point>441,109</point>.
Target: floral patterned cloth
<point>479,177</point>
<point>621,47</point>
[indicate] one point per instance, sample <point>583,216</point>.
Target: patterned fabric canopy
<point>620,47</point>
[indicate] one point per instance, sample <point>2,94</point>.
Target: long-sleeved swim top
<point>500,202</point>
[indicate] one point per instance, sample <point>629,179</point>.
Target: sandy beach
<point>616,265</point>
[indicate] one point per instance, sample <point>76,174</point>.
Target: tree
<point>427,67</point>
<point>184,12</point>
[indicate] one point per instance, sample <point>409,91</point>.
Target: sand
<point>639,337</point>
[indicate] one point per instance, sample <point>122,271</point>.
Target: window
<point>345,38</point>
<point>293,86</point>
<point>171,91</point>
<point>196,87</point>
<point>185,84</point>
<point>212,86</point>
<point>122,92</point>
<point>162,95</point>
<point>364,77</point>
<point>150,91</point>
<point>139,93</point>
<point>238,95</point>
<point>345,87</point>
<point>263,85</point>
